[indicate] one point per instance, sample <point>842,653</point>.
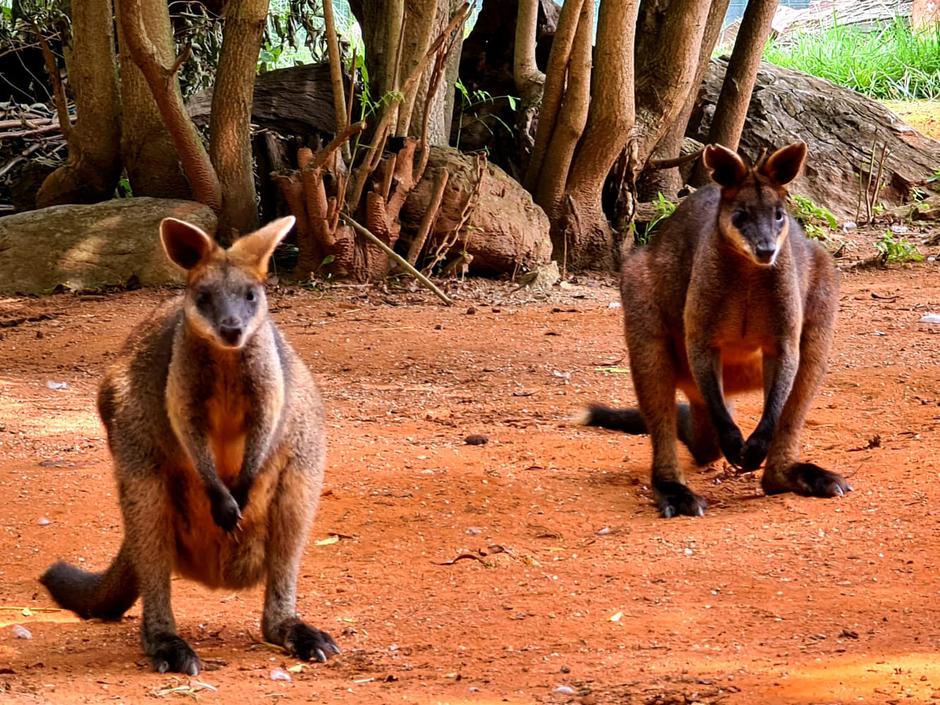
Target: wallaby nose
<point>765,253</point>
<point>230,334</point>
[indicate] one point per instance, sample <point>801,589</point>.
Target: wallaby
<point>729,296</point>
<point>216,429</point>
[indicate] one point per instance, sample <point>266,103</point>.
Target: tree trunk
<point>528,79</point>
<point>162,79</point>
<point>94,164</point>
<point>611,118</point>
<point>150,157</point>
<point>669,181</point>
<point>230,122</point>
<point>572,117</point>
<point>731,110</point>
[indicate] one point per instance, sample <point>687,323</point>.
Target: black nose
<point>765,254</point>
<point>230,334</point>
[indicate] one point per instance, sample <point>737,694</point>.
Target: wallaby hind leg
<point>149,538</point>
<point>654,380</point>
<point>291,513</point>
<point>784,472</point>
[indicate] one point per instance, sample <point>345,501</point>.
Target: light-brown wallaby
<point>729,296</point>
<point>216,429</point>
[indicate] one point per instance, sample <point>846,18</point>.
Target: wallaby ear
<point>727,167</point>
<point>782,166</point>
<point>254,250</point>
<point>184,243</point>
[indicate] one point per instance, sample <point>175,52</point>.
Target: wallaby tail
<point>631,421</point>
<point>625,420</point>
<point>105,595</point>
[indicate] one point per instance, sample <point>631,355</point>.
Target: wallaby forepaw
<point>173,654</point>
<point>806,479</point>
<point>755,452</point>
<point>732,446</point>
<point>674,498</point>
<point>307,643</point>
<point>225,511</point>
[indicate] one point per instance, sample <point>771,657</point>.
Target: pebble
<point>931,318</point>
<point>476,439</point>
<point>43,521</point>
<point>564,690</point>
<point>279,674</point>
<point>21,632</point>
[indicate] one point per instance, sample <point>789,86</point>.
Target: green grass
<point>889,63</point>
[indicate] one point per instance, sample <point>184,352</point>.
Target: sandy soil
<point>924,115</point>
<point>578,592</point>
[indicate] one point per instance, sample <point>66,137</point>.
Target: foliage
<point>897,250</point>
<point>664,208</point>
<point>816,220</point>
<point>473,102</point>
<point>195,26</point>
<point>892,62</point>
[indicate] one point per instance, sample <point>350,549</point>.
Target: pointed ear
<point>254,250</point>
<point>184,243</point>
<point>727,167</point>
<point>784,165</point>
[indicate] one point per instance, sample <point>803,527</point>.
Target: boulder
<point>83,247</point>
<point>505,232</point>
<point>840,127</point>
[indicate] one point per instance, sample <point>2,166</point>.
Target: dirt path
<point>764,600</point>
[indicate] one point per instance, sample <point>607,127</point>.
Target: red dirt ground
<point>764,600</point>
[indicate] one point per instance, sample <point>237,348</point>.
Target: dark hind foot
<point>807,479</point>
<point>172,653</point>
<point>305,642</point>
<point>674,498</point>
<point>755,451</point>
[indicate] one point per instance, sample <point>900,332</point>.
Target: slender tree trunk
<point>669,181</point>
<point>150,158</point>
<point>162,79</point>
<point>611,119</point>
<point>528,79</point>
<point>559,71</point>
<point>94,164</point>
<point>731,109</point>
<point>572,117</point>
<point>230,122</point>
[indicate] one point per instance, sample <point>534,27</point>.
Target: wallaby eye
<point>738,219</point>
<point>250,295</point>
<point>779,215</point>
<point>203,299</point>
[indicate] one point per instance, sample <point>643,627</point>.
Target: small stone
<point>40,335</point>
<point>279,674</point>
<point>472,310</point>
<point>473,531</point>
<point>476,439</point>
<point>21,632</point>
<point>564,690</point>
<point>43,521</point>
<point>439,326</point>
<point>588,700</point>
<point>930,318</point>
<point>566,669</point>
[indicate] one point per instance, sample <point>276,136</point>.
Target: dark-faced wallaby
<point>216,429</point>
<point>729,296</point>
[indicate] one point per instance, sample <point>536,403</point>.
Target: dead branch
<point>448,241</point>
<point>430,216</point>
<point>402,262</point>
<point>58,92</point>
<point>342,138</point>
<point>675,161</point>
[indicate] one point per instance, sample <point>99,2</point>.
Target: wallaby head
<point>753,215</point>
<point>224,301</point>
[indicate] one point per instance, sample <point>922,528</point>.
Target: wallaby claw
<point>755,452</point>
<point>225,511</point>
<point>732,446</point>
<point>307,643</point>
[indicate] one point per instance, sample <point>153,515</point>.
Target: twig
<point>321,157</point>
<point>402,262</point>
<point>448,242</point>
<point>871,173</point>
<point>21,158</point>
<point>675,161</point>
<point>27,133</point>
<point>881,166</point>
<point>58,92</point>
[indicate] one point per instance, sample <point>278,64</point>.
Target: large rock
<point>840,127</point>
<point>506,232</point>
<point>91,246</point>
